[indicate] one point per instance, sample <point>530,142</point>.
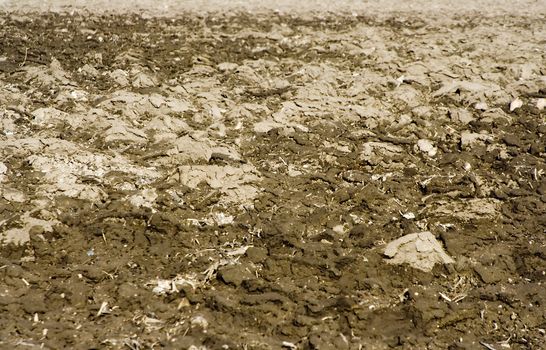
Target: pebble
<point>541,103</point>
<point>427,147</point>
<point>515,104</point>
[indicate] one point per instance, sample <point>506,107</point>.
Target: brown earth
<point>222,181</point>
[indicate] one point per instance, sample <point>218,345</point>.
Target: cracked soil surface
<point>230,179</point>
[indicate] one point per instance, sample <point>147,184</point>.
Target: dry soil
<point>230,179</point>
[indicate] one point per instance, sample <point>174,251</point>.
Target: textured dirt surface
<point>430,10</point>
<point>210,181</point>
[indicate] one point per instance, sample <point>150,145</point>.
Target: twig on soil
<point>25,59</point>
<point>506,342</point>
<point>394,140</point>
<point>445,297</point>
<point>27,343</point>
<point>289,345</point>
<point>126,148</point>
<point>487,346</point>
<point>132,344</point>
<point>211,271</point>
<point>459,297</point>
<point>154,155</point>
<point>537,174</point>
<point>403,296</point>
<point>109,275</point>
<point>103,309</point>
<point>186,332</point>
<point>459,281</point>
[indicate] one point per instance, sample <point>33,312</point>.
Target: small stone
<point>427,147</point>
<point>408,215</point>
<point>339,229</point>
<point>515,104</point>
<point>199,321</point>
<point>482,106</point>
